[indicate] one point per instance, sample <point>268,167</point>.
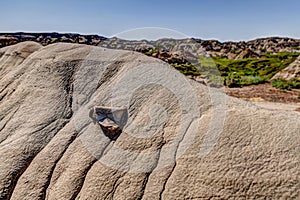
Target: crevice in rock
<point>7,94</point>
<point>69,100</point>
<point>16,76</point>
<point>15,177</point>
<point>111,70</point>
<point>165,183</point>
<point>69,86</point>
<point>3,95</point>
<point>149,173</point>
<point>11,106</point>
<point>30,159</point>
<point>6,86</point>
<point>82,181</point>
<point>1,54</point>
<point>71,140</point>
<point>175,162</point>
<point>40,129</point>
<point>9,118</point>
<point>113,191</point>
<point>74,196</point>
<point>45,187</point>
<point>144,185</point>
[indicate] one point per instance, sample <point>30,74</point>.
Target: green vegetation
<point>53,40</point>
<point>187,69</point>
<point>150,52</point>
<point>235,80</point>
<point>248,71</point>
<point>286,85</point>
<point>241,72</point>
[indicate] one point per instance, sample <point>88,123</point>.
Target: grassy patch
<point>286,85</point>
<point>235,80</point>
<point>187,69</point>
<point>53,40</point>
<point>150,52</point>
<point>241,72</point>
<point>250,71</point>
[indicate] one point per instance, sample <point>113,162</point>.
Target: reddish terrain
<point>265,92</point>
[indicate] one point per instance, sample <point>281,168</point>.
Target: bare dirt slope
<point>182,139</point>
<point>265,92</point>
<point>290,72</point>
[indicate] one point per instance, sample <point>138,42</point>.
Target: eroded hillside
<point>183,140</point>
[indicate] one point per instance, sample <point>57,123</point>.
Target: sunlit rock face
<point>290,72</point>
<point>182,140</point>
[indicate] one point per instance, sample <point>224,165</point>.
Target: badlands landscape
<point>191,129</point>
<point>266,69</point>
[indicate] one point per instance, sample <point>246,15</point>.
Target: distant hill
<point>7,39</point>
<point>239,63</point>
<point>213,47</point>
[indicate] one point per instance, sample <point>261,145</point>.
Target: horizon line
<point>187,36</point>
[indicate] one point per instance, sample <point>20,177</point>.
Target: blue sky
<point>211,19</point>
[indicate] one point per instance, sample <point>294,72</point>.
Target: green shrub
<point>295,83</point>
<point>187,69</point>
<point>252,80</point>
<point>235,80</point>
<point>286,85</point>
<point>281,84</point>
<point>150,52</point>
<point>53,40</point>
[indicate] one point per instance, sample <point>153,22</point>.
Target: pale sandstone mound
<point>182,139</point>
<point>290,72</point>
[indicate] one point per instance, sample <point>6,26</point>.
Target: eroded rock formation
<point>183,140</point>
<point>290,72</point>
